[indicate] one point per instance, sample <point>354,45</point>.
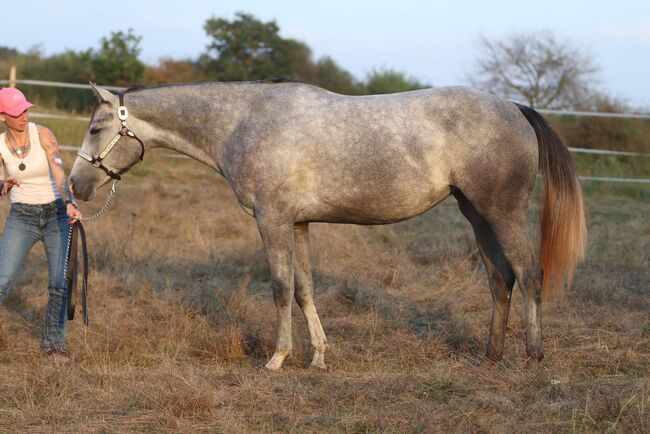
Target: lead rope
<point>69,273</point>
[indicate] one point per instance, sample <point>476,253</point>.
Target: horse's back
<point>383,158</point>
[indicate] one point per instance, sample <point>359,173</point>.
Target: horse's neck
<point>193,120</point>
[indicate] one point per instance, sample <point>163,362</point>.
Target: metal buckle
<point>122,113</point>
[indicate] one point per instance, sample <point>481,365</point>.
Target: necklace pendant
<point>19,152</point>
<point>21,166</point>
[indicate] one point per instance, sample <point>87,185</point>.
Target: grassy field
<point>182,322</point>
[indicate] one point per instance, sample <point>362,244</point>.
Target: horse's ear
<point>103,95</point>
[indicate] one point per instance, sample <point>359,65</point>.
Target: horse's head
<point>109,149</point>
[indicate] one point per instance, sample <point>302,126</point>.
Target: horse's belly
<point>383,206</point>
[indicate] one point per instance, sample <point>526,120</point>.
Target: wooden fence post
<point>12,76</point>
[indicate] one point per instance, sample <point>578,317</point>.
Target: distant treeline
<point>245,48</point>
<point>240,49</point>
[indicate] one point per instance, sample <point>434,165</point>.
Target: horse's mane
<point>274,80</point>
<point>140,87</point>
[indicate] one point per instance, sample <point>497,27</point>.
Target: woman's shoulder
<point>41,128</point>
<point>45,135</point>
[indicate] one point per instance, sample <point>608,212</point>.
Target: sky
<point>433,41</point>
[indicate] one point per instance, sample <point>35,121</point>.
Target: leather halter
<point>96,160</point>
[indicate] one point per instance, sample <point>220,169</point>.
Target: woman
<point>42,207</point>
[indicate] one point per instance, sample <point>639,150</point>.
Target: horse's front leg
<point>304,288</point>
<point>277,236</point>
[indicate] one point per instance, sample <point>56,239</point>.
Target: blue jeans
<point>27,224</point>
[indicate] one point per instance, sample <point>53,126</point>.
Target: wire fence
<point>594,114</point>
<point>543,111</point>
<point>12,83</point>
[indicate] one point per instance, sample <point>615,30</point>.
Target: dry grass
<point>182,322</point>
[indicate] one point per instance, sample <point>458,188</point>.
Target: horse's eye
<point>94,131</point>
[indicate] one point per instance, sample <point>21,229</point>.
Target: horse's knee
<point>282,295</point>
<point>304,295</point>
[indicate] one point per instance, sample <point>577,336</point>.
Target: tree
<point>116,62</point>
<point>70,67</point>
<point>8,57</point>
<point>535,68</point>
<point>249,49</point>
<point>336,79</point>
<point>174,71</point>
<point>33,64</point>
<point>7,52</point>
<point>391,81</point>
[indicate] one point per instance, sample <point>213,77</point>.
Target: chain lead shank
<point>104,207</point>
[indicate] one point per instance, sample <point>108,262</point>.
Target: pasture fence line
<point>608,152</point>
<point>594,114</point>
<point>604,179</point>
<point>12,82</point>
<point>55,116</point>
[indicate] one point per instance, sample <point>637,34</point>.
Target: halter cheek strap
<point>96,160</point>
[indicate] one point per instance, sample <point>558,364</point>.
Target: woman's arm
<point>6,184</point>
<point>51,148</point>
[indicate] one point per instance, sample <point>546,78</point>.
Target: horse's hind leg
<point>501,276</point>
<point>513,237</point>
<point>510,234</point>
<point>277,236</point>
<point>304,293</point>
<point>509,230</point>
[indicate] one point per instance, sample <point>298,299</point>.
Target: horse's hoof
<point>276,362</point>
<point>272,366</point>
<point>319,364</point>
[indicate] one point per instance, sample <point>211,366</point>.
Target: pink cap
<point>13,102</point>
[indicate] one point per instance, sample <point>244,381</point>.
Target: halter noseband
<point>96,160</point>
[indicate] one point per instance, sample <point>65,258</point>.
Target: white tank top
<point>37,185</point>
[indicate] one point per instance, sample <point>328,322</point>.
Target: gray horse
<point>294,153</point>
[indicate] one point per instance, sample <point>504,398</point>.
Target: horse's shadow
<point>334,295</point>
<point>423,320</point>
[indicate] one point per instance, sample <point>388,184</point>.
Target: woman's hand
<point>9,182</point>
<point>73,213</point>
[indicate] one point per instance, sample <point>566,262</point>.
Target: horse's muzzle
<point>82,189</point>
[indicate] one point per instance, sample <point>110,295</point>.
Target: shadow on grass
<point>17,302</point>
<point>437,321</point>
<point>208,286</point>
